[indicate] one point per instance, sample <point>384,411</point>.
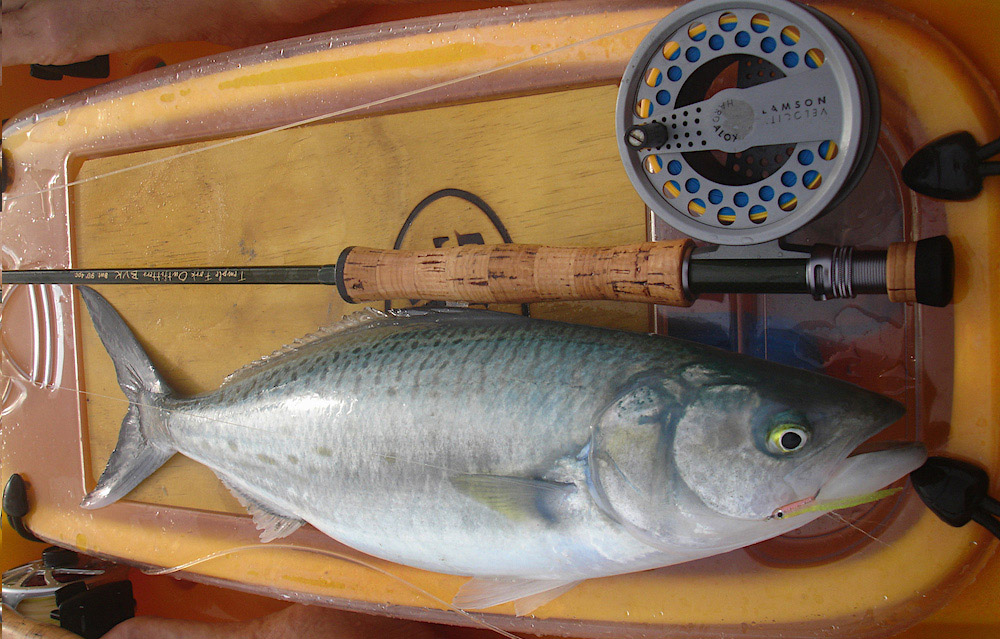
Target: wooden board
<point>547,164</point>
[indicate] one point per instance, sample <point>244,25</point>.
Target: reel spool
<point>738,122</point>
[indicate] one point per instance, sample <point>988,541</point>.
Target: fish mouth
<point>860,477</point>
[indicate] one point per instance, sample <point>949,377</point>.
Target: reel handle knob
<point>651,135</point>
<point>649,272</point>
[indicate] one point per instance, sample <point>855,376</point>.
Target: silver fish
<point>527,454</point>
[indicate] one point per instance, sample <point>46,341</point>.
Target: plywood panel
<point>547,164</point>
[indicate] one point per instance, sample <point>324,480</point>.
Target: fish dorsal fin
<point>271,524</point>
<point>353,321</point>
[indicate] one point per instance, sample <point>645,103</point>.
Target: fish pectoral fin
<point>514,497</point>
<point>527,594</point>
<point>271,524</point>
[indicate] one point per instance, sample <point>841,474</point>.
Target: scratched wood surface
<point>547,164</point>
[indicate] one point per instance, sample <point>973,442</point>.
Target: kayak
<point>480,127</point>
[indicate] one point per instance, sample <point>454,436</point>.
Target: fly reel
<point>739,122</point>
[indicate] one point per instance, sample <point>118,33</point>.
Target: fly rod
<point>672,273</point>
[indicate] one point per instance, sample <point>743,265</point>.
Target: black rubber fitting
<point>56,557</point>
<point>951,167</point>
<point>91,613</point>
<point>95,68</point>
<point>4,171</point>
<point>951,488</point>
<point>15,504</point>
<point>934,275</point>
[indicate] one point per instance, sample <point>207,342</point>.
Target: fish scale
<point>534,368</point>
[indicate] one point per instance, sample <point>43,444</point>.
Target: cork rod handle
<point>901,272</point>
<point>518,273</point>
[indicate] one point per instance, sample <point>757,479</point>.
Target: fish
<point>528,455</point>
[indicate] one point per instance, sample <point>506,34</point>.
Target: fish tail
<point>143,441</point>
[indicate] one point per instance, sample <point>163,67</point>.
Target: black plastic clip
<point>92,612</point>
<point>15,504</point>
<point>951,167</point>
<point>4,170</point>
<point>97,68</point>
<point>956,491</point>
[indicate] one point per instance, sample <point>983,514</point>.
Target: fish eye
<point>787,438</point>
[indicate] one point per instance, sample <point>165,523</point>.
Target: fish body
<point>527,454</point>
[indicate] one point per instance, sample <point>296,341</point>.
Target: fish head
<point>728,447</point>
<point>749,449</point>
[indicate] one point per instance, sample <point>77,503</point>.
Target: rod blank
<point>199,275</point>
